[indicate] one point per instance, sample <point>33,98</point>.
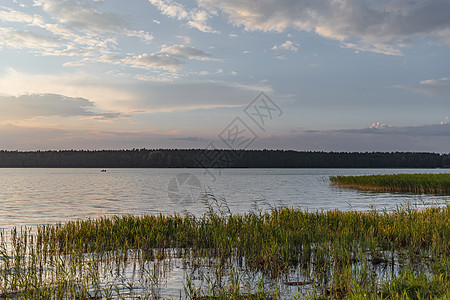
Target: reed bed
<point>257,255</point>
<point>410,183</point>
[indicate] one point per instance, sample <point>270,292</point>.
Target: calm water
<point>38,196</point>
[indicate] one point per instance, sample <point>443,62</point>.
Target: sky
<point>323,75</point>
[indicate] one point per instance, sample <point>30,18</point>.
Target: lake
<point>43,196</point>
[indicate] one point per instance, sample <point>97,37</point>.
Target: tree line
<point>198,158</point>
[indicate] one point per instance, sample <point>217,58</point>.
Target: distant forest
<point>197,158</point>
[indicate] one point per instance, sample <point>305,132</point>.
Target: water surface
<point>42,196</point>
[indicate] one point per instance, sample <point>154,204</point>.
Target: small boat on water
<point>104,170</point>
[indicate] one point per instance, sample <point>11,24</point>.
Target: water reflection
<point>37,196</point>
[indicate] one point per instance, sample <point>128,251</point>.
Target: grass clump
<point>256,255</point>
<point>411,183</point>
<point>410,285</point>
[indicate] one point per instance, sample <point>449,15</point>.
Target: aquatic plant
<point>412,183</point>
<point>256,255</point>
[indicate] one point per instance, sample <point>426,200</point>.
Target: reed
<point>328,254</point>
<point>410,183</point>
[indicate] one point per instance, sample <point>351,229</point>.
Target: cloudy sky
<point>335,75</point>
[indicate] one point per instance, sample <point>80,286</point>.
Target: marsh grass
<point>256,255</point>
<point>410,183</point>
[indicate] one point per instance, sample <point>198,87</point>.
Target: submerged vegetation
<point>412,183</point>
<point>282,253</point>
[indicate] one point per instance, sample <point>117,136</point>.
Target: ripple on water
<point>37,196</point>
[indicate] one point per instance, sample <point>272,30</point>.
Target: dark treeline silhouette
<point>197,158</point>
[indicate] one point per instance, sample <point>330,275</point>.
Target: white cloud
<point>287,45</point>
<point>430,87</point>
<point>185,51</point>
<point>171,9</point>
<point>70,28</point>
<point>55,41</point>
<point>42,105</point>
<point>30,106</point>
<point>87,19</point>
<point>167,59</point>
<point>107,95</point>
<point>81,15</point>
<point>141,34</point>
<point>109,116</point>
<point>126,95</point>
<point>377,26</point>
<point>10,15</point>
<point>20,39</point>
<point>280,56</point>
<point>379,125</point>
<point>437,82</point>
<point>375,48</point>
<point>195,18</point>
<point>151,61</point>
